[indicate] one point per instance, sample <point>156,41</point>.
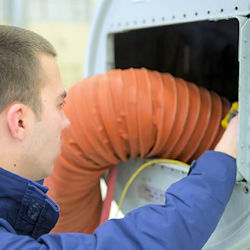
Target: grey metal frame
<point>124,15</point>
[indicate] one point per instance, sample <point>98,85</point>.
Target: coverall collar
<point>25,205</point>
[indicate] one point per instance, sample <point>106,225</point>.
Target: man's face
<point>45,135</point>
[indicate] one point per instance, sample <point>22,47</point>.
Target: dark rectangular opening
<point>204,52</point>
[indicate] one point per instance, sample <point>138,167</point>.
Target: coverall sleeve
<point>191,212</point>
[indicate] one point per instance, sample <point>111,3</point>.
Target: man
<point>31,121</point>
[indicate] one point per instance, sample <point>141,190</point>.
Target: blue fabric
<point>25,205</point>
<point>193,208</point>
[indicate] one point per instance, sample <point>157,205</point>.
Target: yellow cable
<point>134,175</point>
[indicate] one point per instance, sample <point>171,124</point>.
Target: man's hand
<point>228,142</point>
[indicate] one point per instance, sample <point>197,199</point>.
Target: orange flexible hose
<point>123,114</point>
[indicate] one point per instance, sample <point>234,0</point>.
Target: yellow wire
<point>134,175</point>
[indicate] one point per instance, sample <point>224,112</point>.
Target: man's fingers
<point>228,142</point>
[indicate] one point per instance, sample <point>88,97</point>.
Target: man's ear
<point>15,121</point>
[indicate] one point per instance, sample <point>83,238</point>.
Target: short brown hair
<point>20,71</point>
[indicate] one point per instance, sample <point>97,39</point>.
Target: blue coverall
<point>192,210</point>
